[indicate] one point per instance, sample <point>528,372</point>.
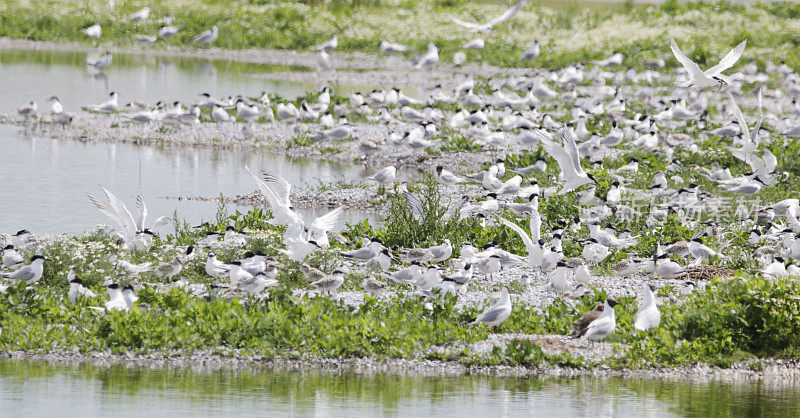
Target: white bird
<point>648,316</point>
<point>220,115</point>
<point>531,53</point>
<point>568,159</point>
<point>93,31</point>
<point>134,269</point>
<point>129,294</point>
<point>247,113</point>
<point>167,32</point>
<point>145,39</point>
<point>428,59</point>
<point>30,110</point>
<point>116,300</point>
<point>277,191</point>
<point>30,273</point>
<point>111,105</point>
<point>603,326</point>
<point>749,138</point>
<point>100,63</point>
<point>215,268</point>
<point>477,43</point>
<point>497,313</point>
<point>324,61</point>
<point>489,26</point>
<point>77,289</point>
<point>713,76</point>
<point>446,177</point>
<point>142,14</point>
<point>384,176</point>
<point>391,48</point>
<point>328,45</point>
<point>11,257</point>
<point>667,268</point>
<point>131,229</point>
<point>531,240</point>
<point>208,36</point>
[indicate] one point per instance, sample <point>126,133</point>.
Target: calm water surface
<point>29,388</point>
<point>46,180</point>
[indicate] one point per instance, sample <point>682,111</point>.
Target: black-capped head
<point>611,302</point>
<point>38,257</point>
<point>76,281</point>
<point>128,287</point>
<point>113,286</point>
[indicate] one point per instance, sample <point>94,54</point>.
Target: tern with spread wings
<point>489,26</point>
<point>711,77</point>
<point>568,159</point>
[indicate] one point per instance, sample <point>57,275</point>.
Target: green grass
<point>567,35</point>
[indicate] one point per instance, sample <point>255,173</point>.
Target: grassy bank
<point>567,34</point>
<point>743,318</point>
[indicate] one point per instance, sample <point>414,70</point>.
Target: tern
<point>220,115</point>
<point>215,268</point>
<point>93,31</point>
<point>533,243</point>
<point>132,230</point>
<point>374,287</point>
<point>648,316</point>
<point>208,36</point>
<point>489,26</point>
<point>169,270</point>
<point>428,59</point>
<point>328,45</point>
<point>568,159</point>
<point>11,257</point>
<point>331,282</point>
<point>385,176</point>
<point>100,63</point>
<point>140,15</point>
<point>133,269</point>
<point>713,76</point>
<point>30,110</point>
<point>116,300</point>
<point>390,48</point>
<point>497,313</point>
<point>531,53</point>
<point>111,105</point>
<point>30,273</point>
<point>145,39</point>
<point>167,32</point>
<point>446,177</point>
<point>78,290</point>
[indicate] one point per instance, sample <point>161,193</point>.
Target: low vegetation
<point>567,34</point>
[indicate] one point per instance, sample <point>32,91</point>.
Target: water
<point>92,391</point>
<point>46,180</point>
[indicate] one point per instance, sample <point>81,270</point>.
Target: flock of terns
<point>489,126</point>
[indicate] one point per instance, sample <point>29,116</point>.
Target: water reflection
<point>37,75</point>
<point>46,183</point>
<point>88,391</point>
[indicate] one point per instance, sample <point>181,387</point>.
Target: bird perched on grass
<point>580,326</point>
<point>497,313</point>
<point>648,316</point>
<point>30,273</point>
<point>603,326</point>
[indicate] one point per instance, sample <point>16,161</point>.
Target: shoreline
<point>776,372</point>
<point>350,68</point>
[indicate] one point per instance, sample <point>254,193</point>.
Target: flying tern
<point>489,26</point>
